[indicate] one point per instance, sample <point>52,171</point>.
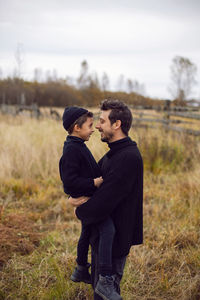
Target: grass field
<point>39,232</point>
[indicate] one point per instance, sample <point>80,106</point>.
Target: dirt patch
<point>18,234</point>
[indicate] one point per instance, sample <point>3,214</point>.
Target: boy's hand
<point>98,181</point>
<point>78,201</point>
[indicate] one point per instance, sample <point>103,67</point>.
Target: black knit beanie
<point>71,114</point>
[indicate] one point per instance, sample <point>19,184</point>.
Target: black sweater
<point>120,196</point>
<point>78,168</point>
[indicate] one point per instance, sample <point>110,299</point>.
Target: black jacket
<point>78,168</point>
<point>120,196</point>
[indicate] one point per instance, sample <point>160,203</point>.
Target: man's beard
<point>106,138</point>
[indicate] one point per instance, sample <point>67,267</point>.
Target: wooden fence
<point>166,122</point>
<point>33,111</point>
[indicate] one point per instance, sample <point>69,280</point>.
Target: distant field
<point>39,232</point>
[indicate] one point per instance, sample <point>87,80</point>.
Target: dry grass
<point>39,233</point>
<point>18,235</point>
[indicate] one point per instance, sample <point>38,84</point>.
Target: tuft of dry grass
<point>18,235</point>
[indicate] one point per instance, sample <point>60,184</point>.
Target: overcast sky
<point>135,38</point>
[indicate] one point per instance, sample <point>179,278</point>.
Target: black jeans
<point>118,265</point>
<point>106,235</point>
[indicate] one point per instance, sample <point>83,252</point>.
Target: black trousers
<point>106,235</point>
<point>83,245</point>
<point>118,265</point>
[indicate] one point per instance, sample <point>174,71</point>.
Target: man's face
<point>86,130</point>
<point>104,126</point>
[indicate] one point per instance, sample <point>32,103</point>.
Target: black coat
<point>78,168</point>
<point>120,196</point>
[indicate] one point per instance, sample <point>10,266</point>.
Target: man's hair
<point>80,121</point>
<point>119,111</point>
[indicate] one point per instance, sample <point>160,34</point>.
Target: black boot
<point>105,288</point>
<point>81,273</point>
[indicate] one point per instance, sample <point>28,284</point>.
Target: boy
<point>81,176</point>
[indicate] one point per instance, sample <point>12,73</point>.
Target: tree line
<point>88,90</point>
<point>60,93</point>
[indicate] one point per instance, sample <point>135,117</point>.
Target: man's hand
<point>78,201</point>
<point>98,181</point>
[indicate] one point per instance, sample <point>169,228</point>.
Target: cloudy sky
<point>136,38</point>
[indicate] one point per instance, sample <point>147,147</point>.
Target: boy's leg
<point>81,272</point>
<point>83,245</point>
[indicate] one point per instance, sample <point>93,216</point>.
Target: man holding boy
<point>121,193</point>
<point>80,175</point>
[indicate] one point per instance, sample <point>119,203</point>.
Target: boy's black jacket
<point>120,196</point>
<point>78,168</point>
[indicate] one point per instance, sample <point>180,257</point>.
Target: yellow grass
<point>33,206</point>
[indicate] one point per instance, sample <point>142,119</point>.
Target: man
<point>121,193</point>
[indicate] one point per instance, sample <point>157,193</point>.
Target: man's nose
<point>97,126</point>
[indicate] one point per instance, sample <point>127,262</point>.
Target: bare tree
<point>105,82</point>
<point>120,83</point>
<point>139,88</point>
<point>48,76</point>
<point>19,56</point>
<point>37,75</point>
<point>183,73</point>
<point>83,80</point>
<point>135,86</point>
<point>93,81</point>
<point>55,75</point>
<point>129,85</point>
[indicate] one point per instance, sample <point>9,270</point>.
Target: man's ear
<point>117,124</point>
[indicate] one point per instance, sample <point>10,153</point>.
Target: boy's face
<point>86,130</point>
